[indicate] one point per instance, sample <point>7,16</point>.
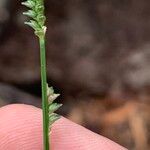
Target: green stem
<point>44,94</point>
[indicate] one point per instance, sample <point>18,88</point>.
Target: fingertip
<point>17,108</point>
<point>21,129</point>
<point>67,135</point>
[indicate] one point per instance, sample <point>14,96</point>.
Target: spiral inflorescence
<point>51,96</point>
<point>36,13</point>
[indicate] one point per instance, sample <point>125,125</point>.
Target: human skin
<point>21,129</point>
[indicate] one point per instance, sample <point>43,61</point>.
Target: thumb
<point>21,129</point>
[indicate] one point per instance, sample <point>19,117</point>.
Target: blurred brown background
<point>98,55</point>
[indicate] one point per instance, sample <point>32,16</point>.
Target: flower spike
<point>37,22</point>
<point>36,13</point>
